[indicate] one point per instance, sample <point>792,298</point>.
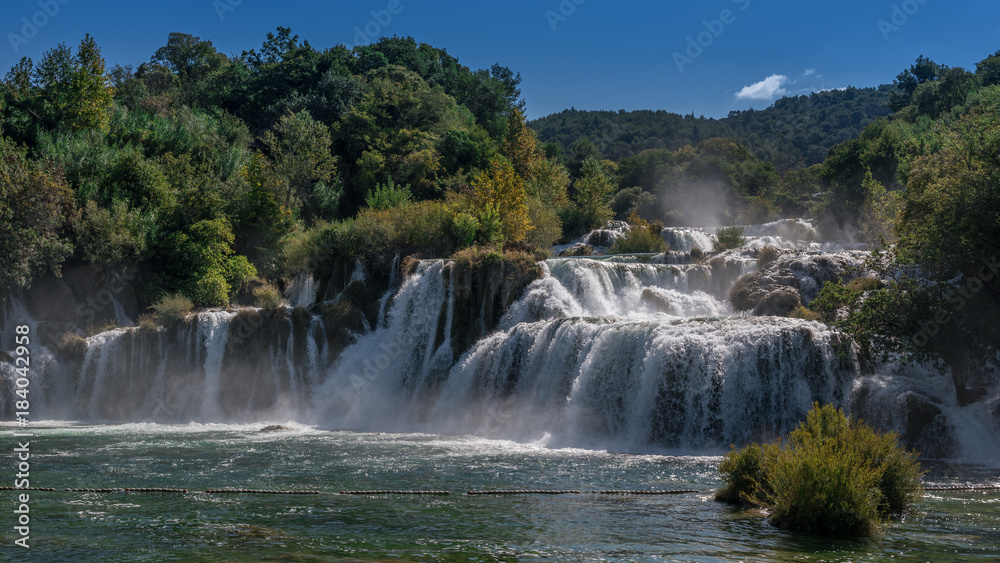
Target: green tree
<point>906,83</point>
<point>879,213</point>
<point>593,190</point>
<point>300,149</point>
<point>74,91</point>
<point>33,209</point>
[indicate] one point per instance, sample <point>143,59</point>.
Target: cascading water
<point>627,353</point>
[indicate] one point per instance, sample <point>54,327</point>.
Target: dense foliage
<point>198,172</point>
<point>927,179</point>
<point>794,132</point>
<point>833,475</point>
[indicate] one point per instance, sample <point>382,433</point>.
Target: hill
<point>795,132</point>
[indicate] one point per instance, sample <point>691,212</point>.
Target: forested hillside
<point>794,132</point>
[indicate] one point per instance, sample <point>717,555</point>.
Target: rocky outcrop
<point>778,303</point>
<point>769,290</point>
<point>486,285</point>
<point>577,250</point>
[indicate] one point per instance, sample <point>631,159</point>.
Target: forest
<point>218,177</point>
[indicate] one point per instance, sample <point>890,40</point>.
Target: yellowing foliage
<point>501,191</point>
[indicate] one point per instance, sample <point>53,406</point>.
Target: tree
<point>923,70</point>
<point>300,149</point>
<point>593,192</point>
<point>500,191</point>
<point>74,91</point>
<point>33,208</point>
<point>879,213</point>
<point>520,146</point>
<point>189,57</point>
<point>988,70</point>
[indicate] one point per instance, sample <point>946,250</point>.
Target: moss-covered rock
<point>487,282</point>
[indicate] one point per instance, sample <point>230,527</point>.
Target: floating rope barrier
<point>523,492</point>
<point>677,492</point>
<point>395,492</point>
<point>258,492</point>
<point>963,488</point>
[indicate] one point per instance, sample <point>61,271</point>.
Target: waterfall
<point>688,384</point>
<point>625,353</point>
<point>302,291</point>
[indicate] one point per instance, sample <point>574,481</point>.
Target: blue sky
<point>707,57</point>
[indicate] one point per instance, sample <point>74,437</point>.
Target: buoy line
<point>523,492</point>
<point>963,488</point>
<point>677,492</point>
<point>395,492</point>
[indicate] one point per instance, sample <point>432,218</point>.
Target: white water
<point>302,291</point>
<point>599,353</point>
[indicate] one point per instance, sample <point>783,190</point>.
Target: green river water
<point>196,527</point>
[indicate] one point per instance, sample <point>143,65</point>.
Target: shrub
<point>745,472</point>
<point>832,299</point>
<point>267,296</point>
<point>463,228</point>
<point>805,314</point>
<point>834,475</point>
<point>639,240</point>
<point>862,285</point>
<point>387,196</point>
<point>643,237</point>
<point>171,308</point>
<point>72,346</point>
<point>147,322</point>
<point>727,238</point>
<point>767,255</point>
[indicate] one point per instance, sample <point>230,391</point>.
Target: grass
<point>267,296</point>
<point>727,238</point>
<point>147,322</point>
<point>767,255</point>
<point>171,309</point>
<point>643,238</point>
<point>835,475</point>
<point>639,240</point>
<point>804,313</point>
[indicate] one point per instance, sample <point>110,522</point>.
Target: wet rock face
<point>770,288</point>
<point>926,427</point>
<point>577,250</point>
<point>656,301</point>
<point>778,303</point>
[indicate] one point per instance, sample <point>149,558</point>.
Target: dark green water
<point>959,526</point>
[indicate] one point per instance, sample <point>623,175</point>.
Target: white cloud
<point>767,89</point>
<point>809,72</point>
